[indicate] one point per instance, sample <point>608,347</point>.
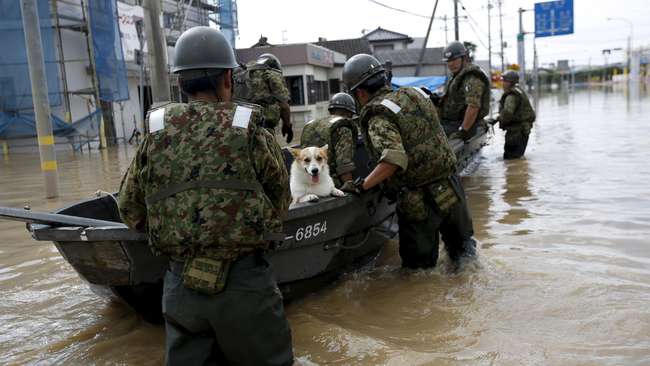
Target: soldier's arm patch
<point>391,105</point>
<point>334,119</point>
<point>157,120</point>
<point>242,117</point>
<point>422,92</point>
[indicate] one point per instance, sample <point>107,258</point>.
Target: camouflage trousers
<point>245,324</point>
<point>516,143</point>
<point>419,239</point>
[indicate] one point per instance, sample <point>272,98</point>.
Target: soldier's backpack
<point>242,79</point>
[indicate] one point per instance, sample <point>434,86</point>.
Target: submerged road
<point>563,278</point>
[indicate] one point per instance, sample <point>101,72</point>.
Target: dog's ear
<point>295,152</point>
<point>324,148</point>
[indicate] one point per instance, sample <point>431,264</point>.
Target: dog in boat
<point>310,175</point>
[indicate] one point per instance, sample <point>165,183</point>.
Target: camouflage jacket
<point>268,89</point>
<point>402,128</point>
<point>515,110</point>
<point>340,134</point>
<point>206,181</point>
<point>470,86</point>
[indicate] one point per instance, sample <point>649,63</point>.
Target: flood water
<point>563,278</point>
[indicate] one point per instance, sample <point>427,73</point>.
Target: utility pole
<point>446,29</point>
<point>36,65</point>
<point>521,53</point>
<point>503,64</point>
<point>426,39</point>
<point>157,48</point>
<point>489,6</point>
<point>139,28</point>
<point>535,68</point>
<point>456,20</point>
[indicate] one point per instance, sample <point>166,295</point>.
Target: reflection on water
<point>516,192</point>
<point>564,274</point>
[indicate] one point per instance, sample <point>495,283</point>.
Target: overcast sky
<point>297,21</point>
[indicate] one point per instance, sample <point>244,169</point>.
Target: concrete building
<point>398,48</point>
<point>75,71</point>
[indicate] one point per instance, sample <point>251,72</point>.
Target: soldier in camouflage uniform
<point>208,187</point>
<point>264,85</point>
<point>516,116</point>
<point>339,132</point>
<point>467,94</point>
<point>415,164</point>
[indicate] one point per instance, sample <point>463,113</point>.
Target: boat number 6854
<point>311,231</point>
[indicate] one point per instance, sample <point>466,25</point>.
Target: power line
<point>478,37</point>
<point>397,9</point>
<point>471,17</point>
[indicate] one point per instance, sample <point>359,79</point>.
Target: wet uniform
<point>516,116</point>
<point>402,128</point>
<point>340,134</point>
<point>268,89</point>
<point>470,87</point>
<point>208,187</point>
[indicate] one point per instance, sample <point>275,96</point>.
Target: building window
<point>335,86</point>
<point>296,90</point>
<point>383,47</point>
<point>318,91</point>
<point>168,20</point>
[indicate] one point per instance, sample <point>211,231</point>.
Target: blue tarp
<point>107,47</point>
<point>430,82</point>
<point>13,125</point>
<point>15,86</point>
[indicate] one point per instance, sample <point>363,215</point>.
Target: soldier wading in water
<point>516,116</point>
<point>415,164</point>
<point>467,94</point>
<point>208,187</point>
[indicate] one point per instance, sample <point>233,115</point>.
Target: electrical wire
<point>397,9</point>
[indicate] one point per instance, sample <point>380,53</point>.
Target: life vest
<point>453,103</point>
<point>523,114</point>
<point>202,193</point>
<point>430,158</point>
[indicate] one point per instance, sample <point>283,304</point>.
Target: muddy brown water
<point>563,277</point>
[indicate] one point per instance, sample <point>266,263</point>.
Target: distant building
<point>398,48</point>
<point>73,55</point>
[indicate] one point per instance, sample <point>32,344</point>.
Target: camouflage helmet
<point>342,101</point>
<point>268,59</point>
<point>360,68</point>
<point>453,50</point>
<point>203,48</point>
<point>511,76</point>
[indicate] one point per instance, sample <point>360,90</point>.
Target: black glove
<point>355,187</point>
<point>435,98</point>
<point>491,121</point>
<point>287,130</point>
<point>460,134</point>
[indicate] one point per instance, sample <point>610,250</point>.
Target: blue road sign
<point>553,18</point>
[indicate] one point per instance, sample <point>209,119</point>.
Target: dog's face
<point>313,160</point>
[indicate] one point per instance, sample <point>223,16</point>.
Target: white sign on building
<point>128,15</point>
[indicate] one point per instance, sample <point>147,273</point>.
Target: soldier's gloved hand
<point>287,131</point>
<point>355,187</point>
<point>461,134</point>
<point>435,98</point>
